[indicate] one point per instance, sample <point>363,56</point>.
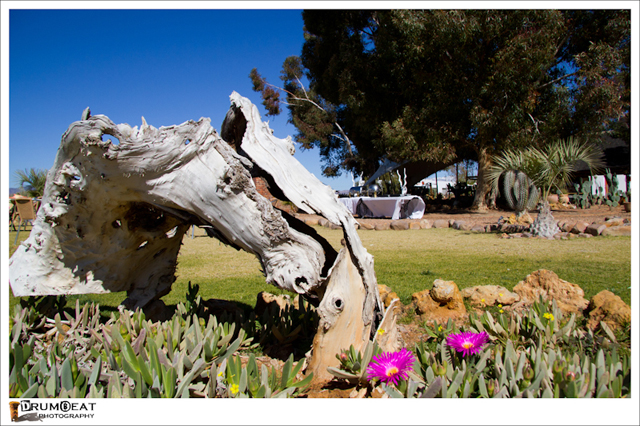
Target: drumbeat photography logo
<point>39,411</point>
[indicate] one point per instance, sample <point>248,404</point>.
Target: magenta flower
<point>391,366</point>
<point>467,342</point>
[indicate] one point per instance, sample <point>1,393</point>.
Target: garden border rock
<point>585,224</point>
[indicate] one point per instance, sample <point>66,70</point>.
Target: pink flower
<point>467,342</point>
<point>391,366</point>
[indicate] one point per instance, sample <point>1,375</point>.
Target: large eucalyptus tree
<point>428,88</point>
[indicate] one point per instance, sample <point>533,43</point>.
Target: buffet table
<point>407,207</point>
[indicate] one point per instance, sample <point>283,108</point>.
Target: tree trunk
<point>483,187</point>
<point>113,217</point>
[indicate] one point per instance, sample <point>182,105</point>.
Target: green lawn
<point>408,261</point>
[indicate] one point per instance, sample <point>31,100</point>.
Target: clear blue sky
<point>169,66</point>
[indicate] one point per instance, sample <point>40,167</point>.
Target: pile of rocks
<point>445,301</point>
<point>614,226</point>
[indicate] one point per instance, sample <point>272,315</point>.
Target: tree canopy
<point>432,87</point>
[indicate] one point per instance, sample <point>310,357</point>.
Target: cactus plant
<point>584,198</point>
<point>519,191</point>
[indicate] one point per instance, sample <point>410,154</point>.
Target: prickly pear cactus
<point>545,224</point>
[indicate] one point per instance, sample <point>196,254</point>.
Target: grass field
<point>408,261</point>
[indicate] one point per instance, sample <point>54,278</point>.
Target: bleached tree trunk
<point>113,216</point>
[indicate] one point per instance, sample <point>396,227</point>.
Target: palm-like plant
<point>549,168</point>
<point>32,181</point>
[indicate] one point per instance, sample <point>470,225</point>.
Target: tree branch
<point>558,79</point>
<point>344,137</point>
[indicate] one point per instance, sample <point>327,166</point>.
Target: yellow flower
<point>482,300</point>
<point>500,306</point>
<point>220,373</point>
<point>548,316</point>
<point>500,294</point>
<point>234,388</point>
<point>440,328</point>
<point>381,332</point>
<point>501,311</point>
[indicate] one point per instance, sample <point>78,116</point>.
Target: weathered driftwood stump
<point>113,216</point>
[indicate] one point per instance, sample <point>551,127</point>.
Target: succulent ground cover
<point>56,352</point>
<point>74,347</point>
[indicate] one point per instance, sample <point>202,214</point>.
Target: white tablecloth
<point>408,207</point>
<point>351,203</point>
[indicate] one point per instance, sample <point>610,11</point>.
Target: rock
<point>567,226</point>
<point>512,229</point>
<point>478,228</point>
<point>451,221</point>
<point>462,225</point>
<point>381,226</point>
<point>425,223</point>
<point>569,297</point>
<point>415,225</point>
<point>387,296</point>
<point>441,223</point>
<point>579,227</point>
<point>515,235</point>
<point>266,300</point>
<point>606,306</point>
<point>366,225</point>
<point>614,221</point>
<point>311,221</point>
<point>585,235</point>
<point>443,291</point>
<point>399,225</point>
<point>423,303</point>
<point>595,229</point>
<point>322,221</point>
<point>565,236</point>
<point>525,219</point>
<point>527,235</point>
<point>617,231</point>
<point>385,291</point>
<point>441,303</point>
<point>489,295</point>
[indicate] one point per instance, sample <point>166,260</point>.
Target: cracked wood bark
<point>113,216</point>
